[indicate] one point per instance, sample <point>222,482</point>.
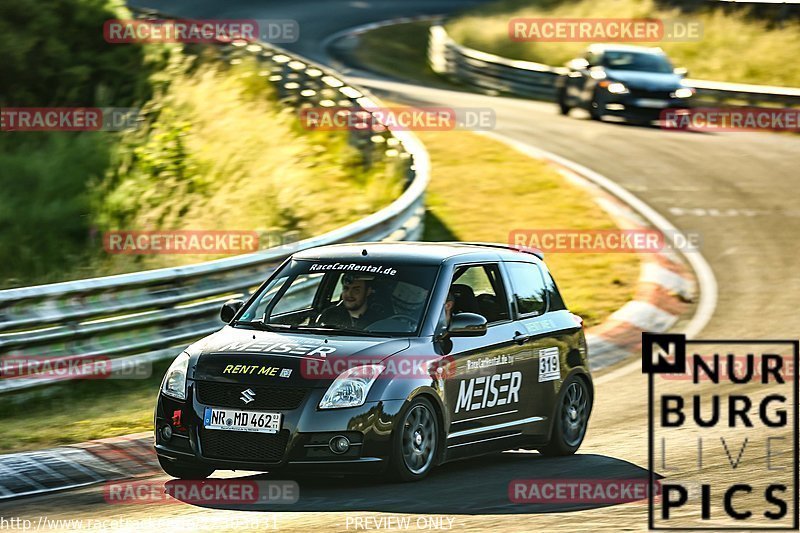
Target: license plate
<point>651,102</point>
<point>233,420</point>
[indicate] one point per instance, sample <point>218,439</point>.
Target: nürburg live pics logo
<point>723,433</point>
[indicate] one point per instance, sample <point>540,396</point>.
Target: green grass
<point>514,192</point>
<point>223,154</point>
<point>78,411</point>
<point>217,151</point>
<point>735,46</point>
<point>480,198</point>
<point>495,189</point>
<point>517,192</point>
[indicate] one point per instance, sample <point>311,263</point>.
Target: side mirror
<point>680,71</point>
<point>229,310</point>
<point>467,325</point>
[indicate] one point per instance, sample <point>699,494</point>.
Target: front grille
<point>229,395</point>
<point>243,446</point>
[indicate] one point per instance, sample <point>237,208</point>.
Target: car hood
<point>284,359</point>
<point>652,81</point>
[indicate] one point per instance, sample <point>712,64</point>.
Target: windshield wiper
<point>262,325</point>
<point>334,331</point>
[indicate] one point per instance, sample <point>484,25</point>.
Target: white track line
<point>707,283</point>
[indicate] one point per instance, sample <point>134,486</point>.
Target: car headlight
<point>683,92</point>
<point>174,384</point>
<point>617,88</point>
<point>351,387</point>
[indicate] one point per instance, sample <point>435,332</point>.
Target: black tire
<point>594,111</point>
<point>563,107</point>
<point>183,470</point>
<point>571,418</point>
<point>415,442</point>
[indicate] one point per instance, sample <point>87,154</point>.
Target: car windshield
<point>638,61</point>
<point>346,297</point>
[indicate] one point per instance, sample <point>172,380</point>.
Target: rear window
<point>530,291</point>
<point>638,61</point>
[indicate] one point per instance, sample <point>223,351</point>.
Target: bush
<point>54,54</point>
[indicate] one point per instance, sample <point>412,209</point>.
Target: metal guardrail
<point>142,316</point>
<point>500,75</point>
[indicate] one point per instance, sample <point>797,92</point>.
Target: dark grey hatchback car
<point>389,357</point>
<point>636,83</point>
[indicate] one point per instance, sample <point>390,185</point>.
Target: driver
<point>447,312</point>
<point>355,309</point>
<point>448,306</point>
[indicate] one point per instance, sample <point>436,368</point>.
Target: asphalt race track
<point>738,191</point>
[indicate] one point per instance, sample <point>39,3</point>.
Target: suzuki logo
<point>248,396</point>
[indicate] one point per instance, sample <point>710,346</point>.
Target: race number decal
<point>549,366</point>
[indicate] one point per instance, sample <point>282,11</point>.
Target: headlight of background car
<point>614,87</point>
<point>683,92</point>
<point>175,381</point>
<point>351,387</point>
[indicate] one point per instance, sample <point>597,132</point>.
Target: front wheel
<point>181,470</point>
<point>563,107</point>
<point>415,442</point>
<point>571,419</point>
<point>594,111</point>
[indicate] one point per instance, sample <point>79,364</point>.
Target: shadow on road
<point>475,486</point>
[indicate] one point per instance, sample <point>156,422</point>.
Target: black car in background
<point>632,82</point>
<point>388,357</point>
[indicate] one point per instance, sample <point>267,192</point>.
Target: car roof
<point>432,253</point>
<point>605,47</point>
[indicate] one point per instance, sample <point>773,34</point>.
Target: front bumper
<point>639,108</point>
<point>302,443</point>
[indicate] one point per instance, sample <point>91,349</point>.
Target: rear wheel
<point>415,442</point>
<point>571,419</point>
<point>183,470</point>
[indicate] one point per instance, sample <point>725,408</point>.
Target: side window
<point>300,294</point>
<point>530,293</point>
<point>257,312</point>
<point>479,289</point>
<point>556,301</point>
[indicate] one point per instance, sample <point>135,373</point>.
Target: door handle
<point>521,338</point>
